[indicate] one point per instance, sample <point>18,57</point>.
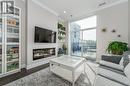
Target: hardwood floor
<point>23,73</point>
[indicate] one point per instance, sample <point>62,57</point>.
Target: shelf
<point>62,30</point>
<point>12,15</point>
<point>12,43</point>
<point>61,42</point>
<point>12,61</point>
<point>12,35</point>
<point>12,26</point>
<point>14,57</point>
<point>62,36</point>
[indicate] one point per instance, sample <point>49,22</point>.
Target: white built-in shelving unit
<point>10,43</point>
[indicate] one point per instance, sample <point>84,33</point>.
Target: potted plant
<point>60,26</point>
<point>64,48</point>
<point>117,48</point>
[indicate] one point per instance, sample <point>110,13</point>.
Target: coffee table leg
<point>84,67</point>
<point>73,83</point>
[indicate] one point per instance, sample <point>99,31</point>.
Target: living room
<point>76,31</point>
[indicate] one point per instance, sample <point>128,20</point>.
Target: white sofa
<point>109,78</point>
<point>117,67</point>
<point>113,74</point>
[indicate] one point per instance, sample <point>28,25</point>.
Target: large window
<point>83,38</point>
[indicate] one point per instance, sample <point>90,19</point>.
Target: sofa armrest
<point>122,79</point>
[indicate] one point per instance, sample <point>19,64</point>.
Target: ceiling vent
<point>102,4</point>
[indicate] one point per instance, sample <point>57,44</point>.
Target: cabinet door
<point>1,30</point>
<point>12,55</point>
<point>12,43</point>
<point>12,29</point>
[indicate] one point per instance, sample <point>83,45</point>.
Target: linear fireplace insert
<point>43,53</point>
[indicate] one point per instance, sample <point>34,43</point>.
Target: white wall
<point>115,17</point>
<point>22,5</point>
<point>37,16</point>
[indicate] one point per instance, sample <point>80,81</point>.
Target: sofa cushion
<point>111,69</point>
<point>127,71</point>
<point>112,65</point>
<point>102,81</point>
<point>114,76</point>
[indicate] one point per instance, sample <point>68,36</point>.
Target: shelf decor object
<point>10,43</point>
<point>61,32</point>
<point>104,29</point>
<point>62,49</point>
<point>113,31</point>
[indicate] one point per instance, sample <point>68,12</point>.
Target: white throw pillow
<point>127,71</point>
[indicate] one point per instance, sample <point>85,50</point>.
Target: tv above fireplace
<point>43,35</point>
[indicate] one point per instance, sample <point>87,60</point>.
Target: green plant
<point>64,47</point>
<point>117,48</point>
<point>60,38</point>
<point>60,25</point>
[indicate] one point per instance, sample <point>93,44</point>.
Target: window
<point>83,38</point>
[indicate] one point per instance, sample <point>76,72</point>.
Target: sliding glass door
<point>83,38</point>
<point>89,44</point>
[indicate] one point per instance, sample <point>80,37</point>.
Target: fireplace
<point>43,53</point>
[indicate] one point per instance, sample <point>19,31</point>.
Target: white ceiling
<point>76,8</point>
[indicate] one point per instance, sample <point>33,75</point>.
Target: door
<point>12,43</point>
<point>89,44</point>
<point>1,57</point>
<point>83,38</point>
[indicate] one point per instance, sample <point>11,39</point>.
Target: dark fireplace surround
<point>43,53</point>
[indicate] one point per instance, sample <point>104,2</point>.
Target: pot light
<point>64,11</point>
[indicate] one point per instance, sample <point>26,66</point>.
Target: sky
<point>90,22</point>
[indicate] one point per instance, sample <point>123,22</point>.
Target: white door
<point>12,43</point>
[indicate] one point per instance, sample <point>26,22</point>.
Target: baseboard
<point>35,65</point>
<point>38,63</point>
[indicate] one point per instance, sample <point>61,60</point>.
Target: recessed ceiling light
<point>64,11</point>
